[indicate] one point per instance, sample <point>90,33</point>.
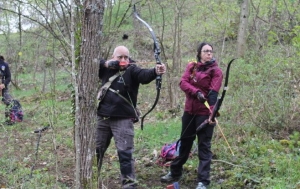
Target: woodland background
<point>53,48</point>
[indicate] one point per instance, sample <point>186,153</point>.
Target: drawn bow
<point>219,101</point>
<point>158,61</point>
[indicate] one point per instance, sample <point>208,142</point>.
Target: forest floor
<point>29,152</point>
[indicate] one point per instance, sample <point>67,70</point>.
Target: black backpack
<point>14,112</point>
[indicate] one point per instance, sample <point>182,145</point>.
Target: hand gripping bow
<point>218,103</point>
<point>158,61</point>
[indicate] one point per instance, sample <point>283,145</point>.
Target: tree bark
<point>242,34</point>
<point>86,86</point>
<point>176,56</point>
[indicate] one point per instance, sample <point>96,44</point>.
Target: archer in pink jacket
<point>205,78</point>
<point>200,82</point>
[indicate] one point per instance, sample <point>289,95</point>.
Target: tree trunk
<point>20,45</point>
<point>176,56</point>
<point>86,86</point>
<point>242,34</point>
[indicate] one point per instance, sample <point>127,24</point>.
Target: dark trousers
<point>123,132</point>
<point>188,135</point>
<point>6,97</point>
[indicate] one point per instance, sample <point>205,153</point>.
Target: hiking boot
<point>129,183</point>
<point>169,178</point>
<point>130,186</point>
<point>201,186</point>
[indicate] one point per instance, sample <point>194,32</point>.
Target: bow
<point>157,58</point>
<point>219,101</point>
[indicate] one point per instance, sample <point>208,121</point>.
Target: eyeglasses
<point>208,51</point>
<point>121,57</point>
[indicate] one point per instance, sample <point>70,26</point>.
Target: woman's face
<point>206,53</point>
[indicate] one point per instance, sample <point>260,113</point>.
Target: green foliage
<point>260,162</point>
<point>263,91</point>
<point>295,142</point>
<point>259,117</point>
<point>296,39</point>
<point>20,157</point>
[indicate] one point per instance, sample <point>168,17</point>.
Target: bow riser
<point>158,61</point>
<point>219,102</point>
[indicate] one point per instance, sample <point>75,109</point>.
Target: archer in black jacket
<point>127,84</point>
<point>5,77</point>
<point>116,110</point>
<point>5,80</point>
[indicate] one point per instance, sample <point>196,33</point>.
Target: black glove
<point>114,64</point>
<point>201,97</point>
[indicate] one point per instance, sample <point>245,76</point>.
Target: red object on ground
<point>175,185</point>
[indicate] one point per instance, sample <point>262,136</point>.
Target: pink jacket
<point>200,77</point>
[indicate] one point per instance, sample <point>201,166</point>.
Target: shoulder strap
<point>193,69</point>
<point>110,80</point>
<point>103,89</point>
<point>117,92</point>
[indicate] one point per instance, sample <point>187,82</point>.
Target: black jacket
<point>128,84</point>
<point>5,73</point>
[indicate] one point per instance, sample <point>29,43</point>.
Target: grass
<point>257,161</point>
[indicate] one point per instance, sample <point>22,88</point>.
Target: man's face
<point>122,55</point>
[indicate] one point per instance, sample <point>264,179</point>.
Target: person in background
<point>200,82</point>
<point>117,109</point>
<point>5,76</point>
